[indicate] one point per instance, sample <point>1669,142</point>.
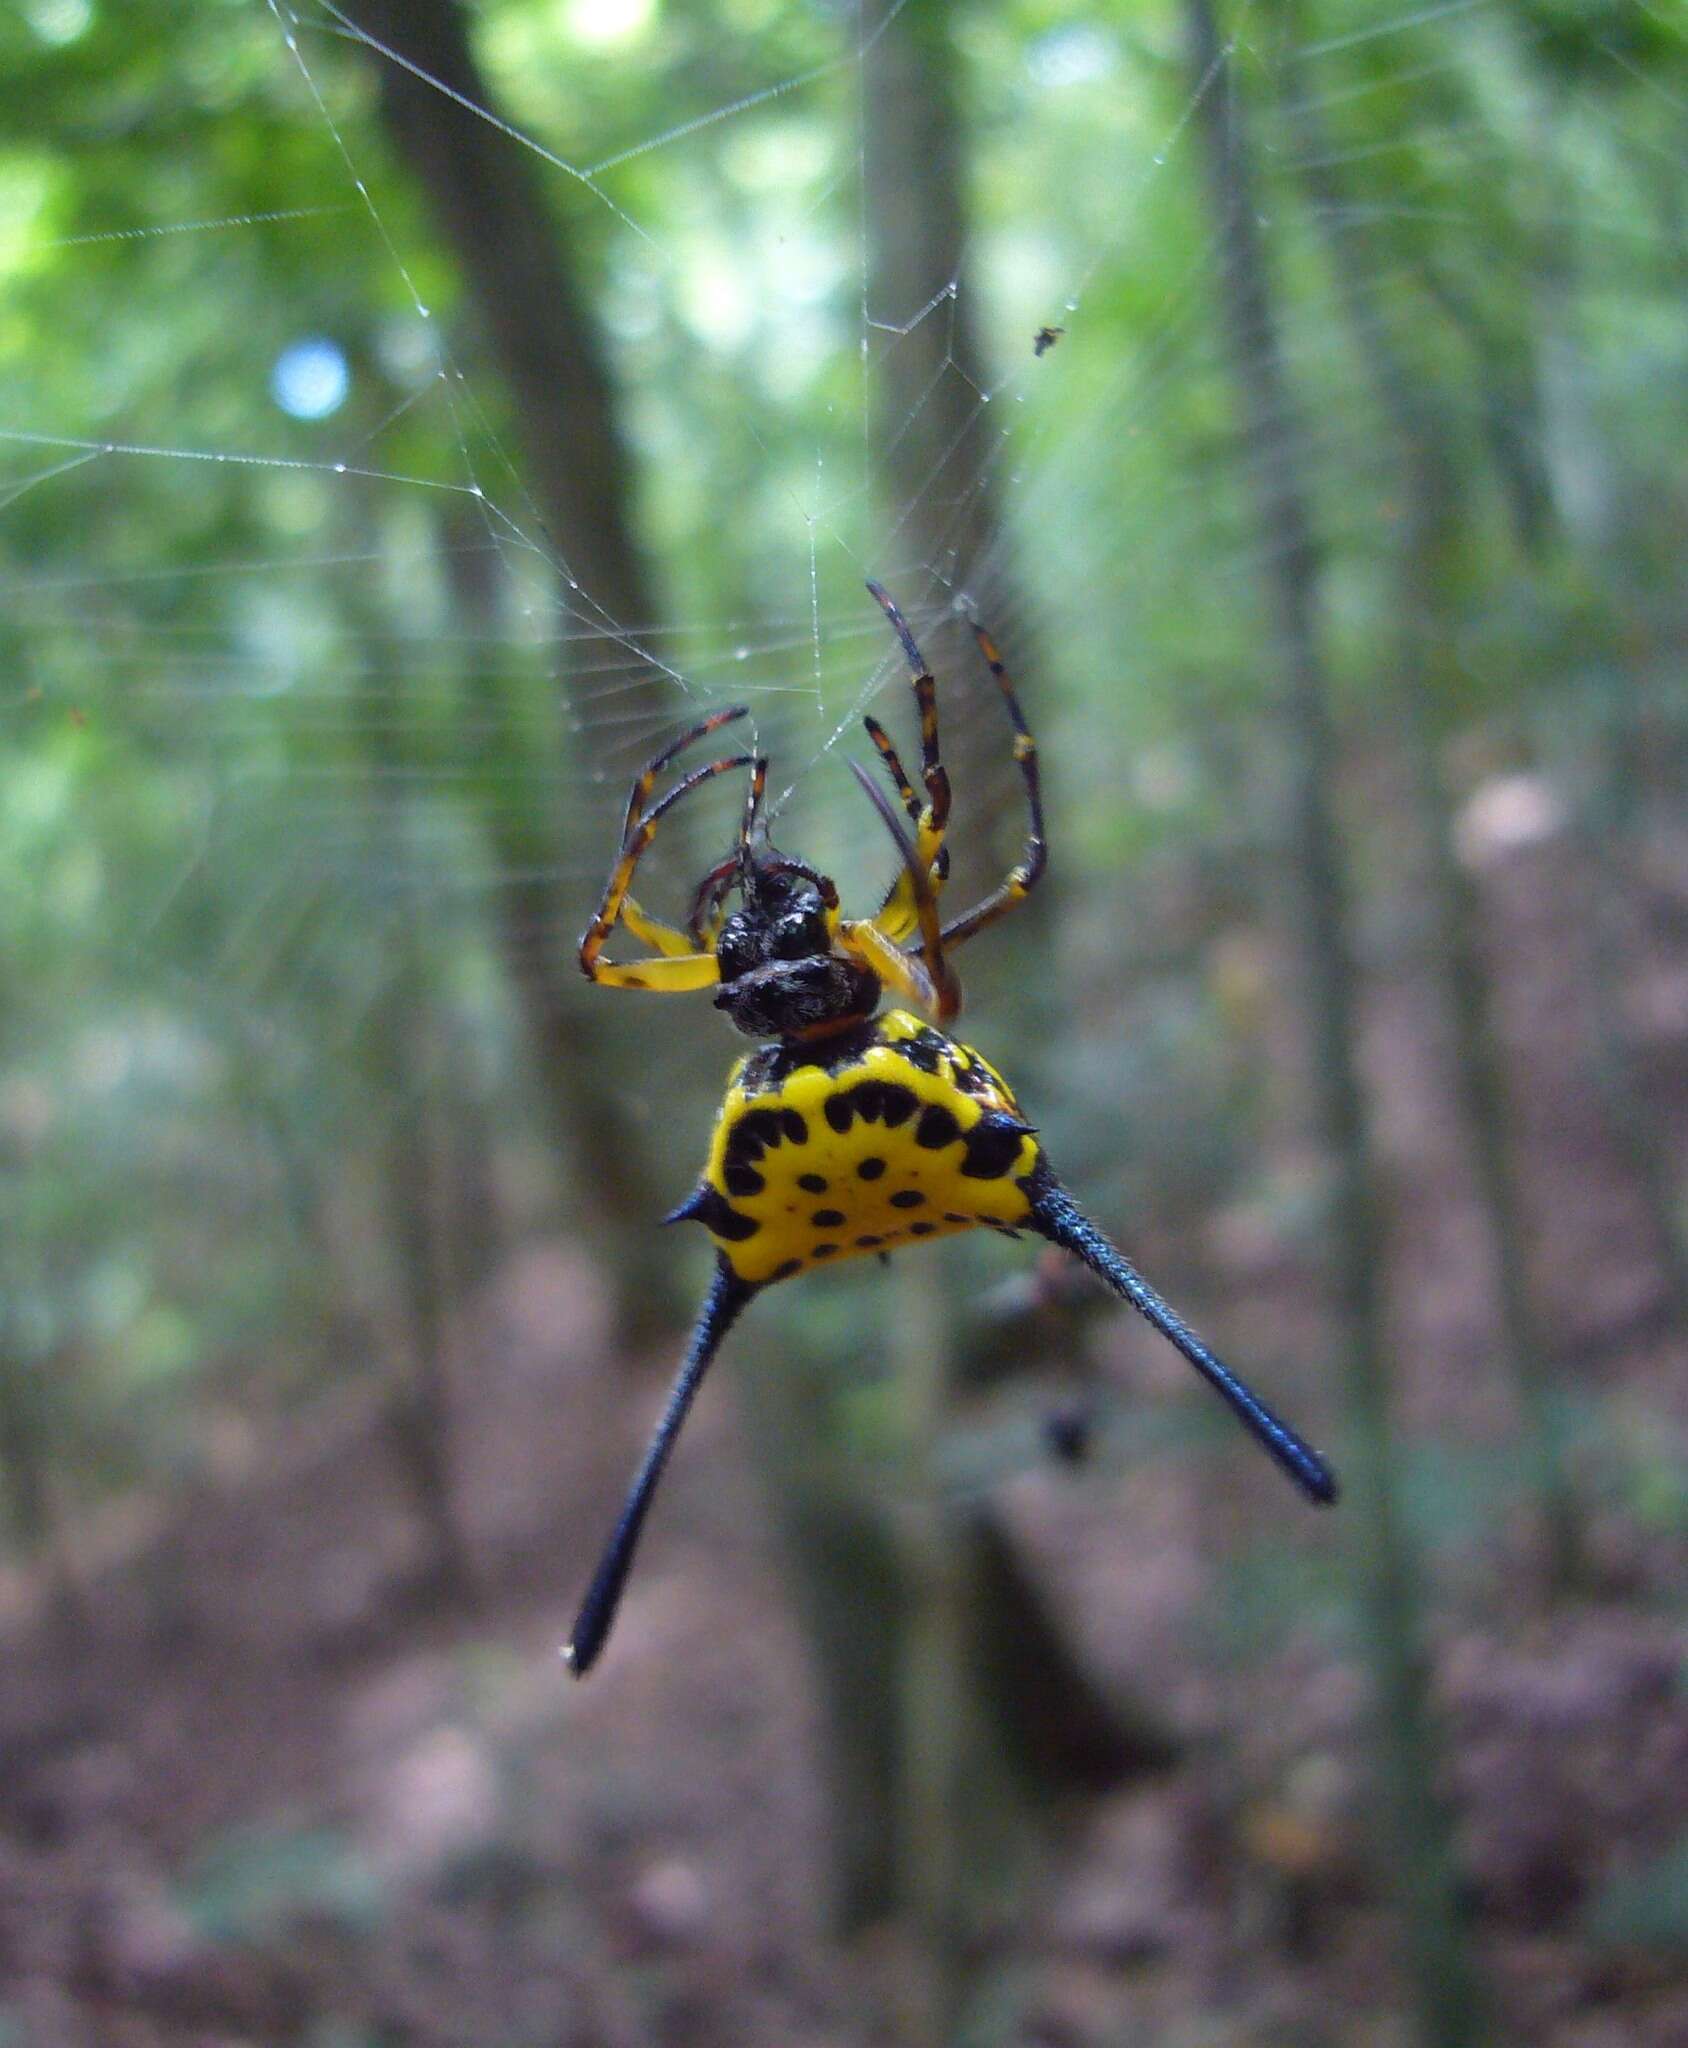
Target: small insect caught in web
<point>1045,339</point>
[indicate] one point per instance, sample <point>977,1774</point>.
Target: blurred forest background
<point>412,413</point>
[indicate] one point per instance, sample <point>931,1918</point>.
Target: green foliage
<point>249,1885</point>
<point>1645,1908</point>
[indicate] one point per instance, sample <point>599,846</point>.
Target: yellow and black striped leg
<point>703,921</point>
<point>1026,873</point>
<point>905,789</point>
<point>897,916</point>
<point>932,771</point>
<point>722,1306</point>
<point>944,1001</point>
<point>645,781</point>
<point>667,942</point>
<point>1058,1217</point>
<point>597,933</point>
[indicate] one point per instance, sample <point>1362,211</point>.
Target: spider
<point>851,1130</point>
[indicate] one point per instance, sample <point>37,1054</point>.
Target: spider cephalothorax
<point>851,1132</point>
<point>780,977</point>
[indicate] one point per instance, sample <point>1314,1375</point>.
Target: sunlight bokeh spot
<point>311,378</point>
<point>58,22</point>
<point>1076,55</point>
<point>602,24</point>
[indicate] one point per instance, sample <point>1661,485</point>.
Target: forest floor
<point>263,1784</point>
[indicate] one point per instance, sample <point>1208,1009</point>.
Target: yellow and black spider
<point>851,1132</point>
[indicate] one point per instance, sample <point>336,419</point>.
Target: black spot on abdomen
<point>754,1132</point>
<point>993,1146</point>
<point>937,1127</point>
<point>896,1104</point>
<point>886,1102</point>
<point>926,1050</point>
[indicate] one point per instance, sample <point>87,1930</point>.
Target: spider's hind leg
<point>723,1304</point>
<point>1059,1218</point>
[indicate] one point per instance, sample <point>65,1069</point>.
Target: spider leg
<point>645,781</point>
<point>1026,873</point>
<point>703,921</point>
<point>888,960</point>
<point>652,931</point>
<point>896,916</point>
<point>894,768</point>
<point>1058,1217</point>
<point>726,1298</point>
<point>752,819</point>
<point>904,974</point>
<point>697,971</point>
<point>932,771</point>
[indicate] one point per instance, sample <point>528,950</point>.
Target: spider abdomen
<point>893,1135</point>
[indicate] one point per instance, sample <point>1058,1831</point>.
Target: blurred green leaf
<point>252,1883</point>
<point>1645,1908</point>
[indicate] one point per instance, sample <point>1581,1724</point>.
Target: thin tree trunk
<point>1443,1989</point>
<point>398,1050</point>
<point>927,378</point>
<point>492,209</point>
<point>944,1783</point>
<point>1507,404</point>
<point>984,1734</point>
<point>1427,565</point>
<point>26,1470</point>
<point>420,1202</point>
<point>936,443</point>
<point>1602,519</point>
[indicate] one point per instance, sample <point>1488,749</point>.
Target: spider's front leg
<point>926,979</point>
<point>1027,872</point>
<point>680,963</point>
<point>932,771</point>
<point>897,915</point>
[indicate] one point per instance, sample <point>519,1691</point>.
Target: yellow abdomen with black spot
<point>897,1134</point>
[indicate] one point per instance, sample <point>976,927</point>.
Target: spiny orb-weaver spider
<point>851,1132</point>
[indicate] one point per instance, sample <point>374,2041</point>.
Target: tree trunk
<point>491,208</point>
<point>1274,456</point>
<point>927,369</point>
<point>1427,568</point>
<point>960,1708</point>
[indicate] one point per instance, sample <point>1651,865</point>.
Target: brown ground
<point>268,1790</point>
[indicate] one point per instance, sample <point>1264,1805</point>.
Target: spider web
<point>290,607</point>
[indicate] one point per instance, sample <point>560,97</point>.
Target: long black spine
<point>1058,1217</point>
<point>726,1298</point>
